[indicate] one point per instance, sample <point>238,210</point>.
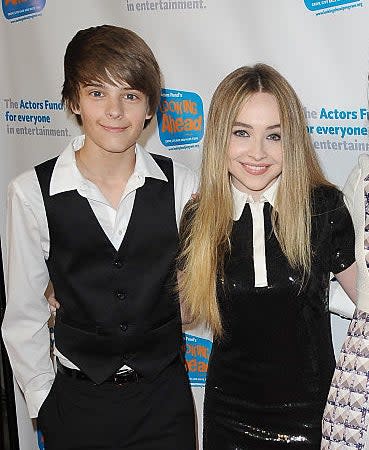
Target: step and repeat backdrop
<point>321,47</point>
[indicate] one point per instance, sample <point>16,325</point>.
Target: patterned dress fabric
<point>345,419</point>
<point>366,231</point>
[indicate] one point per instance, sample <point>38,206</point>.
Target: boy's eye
<point>131,96</point>
<point>274,137</point>
<point>96,93</point>
<point>241,133</point>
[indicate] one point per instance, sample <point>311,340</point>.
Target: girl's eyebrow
<point>246,125</point>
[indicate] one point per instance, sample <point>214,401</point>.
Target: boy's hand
<point>50,297</point>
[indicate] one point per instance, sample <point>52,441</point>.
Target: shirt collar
<point>66,176</point>
<point>146,166</point>
<point>241,198</point>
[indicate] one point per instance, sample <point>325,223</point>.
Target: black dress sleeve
<point>339,245</point>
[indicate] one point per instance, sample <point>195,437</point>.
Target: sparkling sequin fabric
<point>346,416</point>
<point>269,375</point>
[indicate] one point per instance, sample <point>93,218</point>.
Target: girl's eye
<point>274,137</point>
<point>241,133</point>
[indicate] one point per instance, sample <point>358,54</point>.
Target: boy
<point>100,221</point>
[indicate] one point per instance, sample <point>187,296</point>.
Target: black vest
<point>117,307</point>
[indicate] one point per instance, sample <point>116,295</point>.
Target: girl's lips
<point>253,169</point>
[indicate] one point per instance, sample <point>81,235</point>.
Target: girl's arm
<point>347,279</point>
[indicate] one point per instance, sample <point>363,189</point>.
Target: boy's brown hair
<point>106,53</point>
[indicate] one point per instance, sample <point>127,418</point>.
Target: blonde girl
<point>258,245</point>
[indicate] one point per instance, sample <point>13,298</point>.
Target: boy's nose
<point>114,110</point>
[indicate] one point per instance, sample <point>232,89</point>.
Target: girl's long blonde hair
<point>207,221</point>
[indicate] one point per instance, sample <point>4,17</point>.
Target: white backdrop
<point>320,46</point>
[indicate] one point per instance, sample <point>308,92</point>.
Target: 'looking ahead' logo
<point>15,10</point>
<point>331,6</point>
<point>180,119</point>
<point>197,354</point>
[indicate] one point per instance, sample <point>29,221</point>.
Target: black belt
<point>127,376</point>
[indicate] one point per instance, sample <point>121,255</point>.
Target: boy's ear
<point>75,109</point>
<point>148,113</point>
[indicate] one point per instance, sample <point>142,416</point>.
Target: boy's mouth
<point>112,129</point>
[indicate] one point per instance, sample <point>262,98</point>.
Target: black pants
<point>77,414</point>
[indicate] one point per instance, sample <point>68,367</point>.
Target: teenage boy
<point>100,221</point>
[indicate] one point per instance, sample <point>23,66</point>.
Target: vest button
<point>121,295</point>
<point>118,263</point>
<point>123,326</point>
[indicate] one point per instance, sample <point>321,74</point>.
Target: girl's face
<point>255,150</point>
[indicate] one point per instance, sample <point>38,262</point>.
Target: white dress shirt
<point>257,207</point>
<point>25,329</point>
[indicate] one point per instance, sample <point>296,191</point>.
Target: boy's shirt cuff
<point>35,399</point>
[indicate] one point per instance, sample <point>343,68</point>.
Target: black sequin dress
<point>269,375</point>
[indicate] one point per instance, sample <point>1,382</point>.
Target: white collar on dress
<point>241,198</point>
